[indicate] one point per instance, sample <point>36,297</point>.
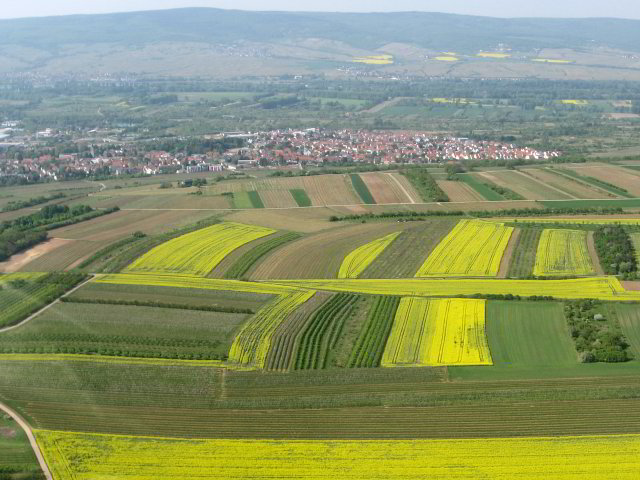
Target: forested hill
<point>373,30</point>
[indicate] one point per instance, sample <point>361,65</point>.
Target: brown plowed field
<point>405,184</point>
<point>459,191</point>
<point>625,178</point>
<point>524,185</point>
<point>384,188</point>
<point>320,255</point>
<point>278,199</point>
<point>573,187</point>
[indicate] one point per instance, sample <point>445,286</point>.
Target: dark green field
<point>524,256</point>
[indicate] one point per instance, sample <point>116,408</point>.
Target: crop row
<point>361,189</point>
<point>473,248</point>
<point>246,261</point>
<point>563,252</point>
<point>358,260</point>
<point>321,333</point>
<point>199,252</point>
<point>368,349</point>
<point>252,343</point>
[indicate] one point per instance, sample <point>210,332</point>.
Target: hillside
<point>195,41</point>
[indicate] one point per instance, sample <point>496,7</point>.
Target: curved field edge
<point>84,456</point>
<point>358,260</point>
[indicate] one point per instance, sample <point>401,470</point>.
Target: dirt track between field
<point>32,439</point>
<point>508,253</point>
<point>593,253</point>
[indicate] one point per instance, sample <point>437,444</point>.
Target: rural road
<point>32,440</point>
<point>34,315</point>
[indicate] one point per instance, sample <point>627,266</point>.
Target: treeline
<point>147,303</point>
<point>514,212</point>
<point>597,338</point>
<point>616,251</point>
<point>18,204</point>
<point>426,185</point>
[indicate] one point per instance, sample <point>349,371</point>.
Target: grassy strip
<point>609,187</point>
<point>107,250</point>
<point>321,334</point>
<point>425,185</point>
<point>254,198</point>
<point>301,197</point>
<point>593,205</point>
<point>143,303</point>
<point>361,189</point>
<point>524,257</point>
<point>246,261</point>
<point>482,188</point>
<point>368,350</point>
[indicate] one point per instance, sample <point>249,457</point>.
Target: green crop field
<point>301,197</point>
<point>17,460</point>
<point>361,189</point>
<point>481,188</point>
<point>524,256</point>
<point>126,330</point>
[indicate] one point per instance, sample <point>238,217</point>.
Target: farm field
<point>384,188</point>
<point>64,257</point>
<point>183,296</point>
<point>618,176</point>
<point>86,456</point>
<point>523,259</point>
<point>563,252</point>
<point>319,255</point>
<point>527,334</point>
<point>437,333</point>
<point>134,331</point>
<point>358,260</point>
<point>600,288</point>
<point>17,459</point>
<point>572,187</point>
<point>460,191</point>
<point>635,238</point>
<point>473,248</point>
<point>199,252</point>
<point>307,220</point>
<point>407,252</point>
<point>586,220</point>
<point>629,318</point>
<point>524,185</point>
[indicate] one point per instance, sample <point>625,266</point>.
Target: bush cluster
<point>616,251</point>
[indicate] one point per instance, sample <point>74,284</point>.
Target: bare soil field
<point>572,187</point>
<point>320,255</point>
<point>64,257</point>
<point>634,286</point>
<point>384,188</point>
<point>508,254</point>
<point>459,191</point>
<point>593,253</point>
<point>18,261</point>
<point>622,177</point>
<point>278,199</point>
<point>120,224</point>
<point>526,186</point>
<point>405,184</point>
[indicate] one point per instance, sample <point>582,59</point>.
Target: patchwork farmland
<point>312,328</point>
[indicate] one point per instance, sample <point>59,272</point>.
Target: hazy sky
<point>501,8</point>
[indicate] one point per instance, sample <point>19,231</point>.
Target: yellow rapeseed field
<point>493,55</point>
<point>86,456</point>
<point>447,58</point>
<point>575,102</point>
<point>577,221</point>
<point>474,248</point>
<point>375,60</point>
<point>251,345</point>
<point>563,252</point>
<point>438,332</point>
<point>357,261</point>
<point>598,288</point>
<point>198,253</point>
<point>551,60</point>
<point>192,281</point>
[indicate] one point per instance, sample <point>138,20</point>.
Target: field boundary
<point>32,439</point>
<point>46,307</point>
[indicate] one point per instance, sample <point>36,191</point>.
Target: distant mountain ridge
<point>436,31</point>
<point>216,43</point>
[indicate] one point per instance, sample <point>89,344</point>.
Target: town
<point>35,156</point>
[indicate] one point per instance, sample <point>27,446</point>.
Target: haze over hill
<point>231,43</point>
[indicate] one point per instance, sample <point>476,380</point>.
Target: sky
<point>495,8</point>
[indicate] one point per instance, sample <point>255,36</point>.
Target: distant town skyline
<point>496,8</point>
